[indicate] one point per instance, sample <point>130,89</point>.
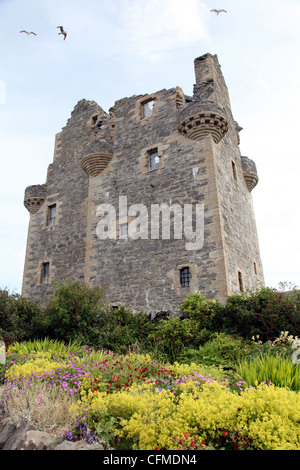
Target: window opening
<point>153,160</point>
<point>147,109</point>
<point>241,286</point>
<point>234,170</point>
<point>185,277</point>
<point>45,273</point>
<point>51,215</point>
<point>255,268</point>
<point>123,230</point>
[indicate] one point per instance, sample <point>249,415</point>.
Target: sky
<point>120,48</point>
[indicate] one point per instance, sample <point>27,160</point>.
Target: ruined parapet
<point>206,113</point>
<point>201,118</point>
<point>34,197</point>
<point>210,83</point>
<point>99,151</point>
<point>250,173</point>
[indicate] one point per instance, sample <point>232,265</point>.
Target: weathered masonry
<point>162,148</point>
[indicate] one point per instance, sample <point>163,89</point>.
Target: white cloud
<point>152,28</point>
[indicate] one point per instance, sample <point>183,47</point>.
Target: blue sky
<point>119,48</point>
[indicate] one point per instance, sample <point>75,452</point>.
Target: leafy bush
<point>73,313</point>
<point>263,312</point>
<point>173,335</point>
<point>208,313</point>
<point>20,318</point>
<point>224,350</point>
<point>77,312</point>
<point>121,329</point>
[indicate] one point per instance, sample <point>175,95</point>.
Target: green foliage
<point>208,313</point>
<point>20,318</point>
<point>271,368</point>
<point>121,328</point>
<point>73,312</point>
<point>46,345</point>
<point>173,335</point>
<point>77,313</point>
<point>263,312</point>
<point>224,350</point>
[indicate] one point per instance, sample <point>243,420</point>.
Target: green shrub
<point>224,350</point>
<point>172,335</point>
<point>208,313</point>
<point>73,313</point>
<point>121,328</point>
<point>77,312</point>
<point>20,318</point>
<point>263,312</point>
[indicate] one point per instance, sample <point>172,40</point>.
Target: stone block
<point>38,440</point>
<point>17,438</point>
<point>7,432</point>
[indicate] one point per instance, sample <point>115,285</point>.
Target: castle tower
<point>125,187</point>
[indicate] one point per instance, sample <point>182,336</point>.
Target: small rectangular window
<point>185,277</point>
<point>241,285</point>
<point>147,109</point>
<point>255,268</point>
<point>234,170</point>
<point>45,273</point>
<point>153,160</point>
<point>123,230</point>
<point>51,215</point>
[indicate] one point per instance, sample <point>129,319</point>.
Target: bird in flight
<point>27,32</point>
<point>218,11</point>
<point>64,33</point>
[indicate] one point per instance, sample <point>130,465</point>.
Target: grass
<point>270,368</point>
<point>44,345</point>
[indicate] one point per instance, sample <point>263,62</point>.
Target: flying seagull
<point>219,11</point>
<point>62,31</point>
<point>27,32</point>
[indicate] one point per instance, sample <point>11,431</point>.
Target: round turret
<point>201,118</point>
<point>250,173</point>
<point>34,197</point>
<point>97,156</point>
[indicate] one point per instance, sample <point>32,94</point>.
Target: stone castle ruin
<point>152,200</point>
